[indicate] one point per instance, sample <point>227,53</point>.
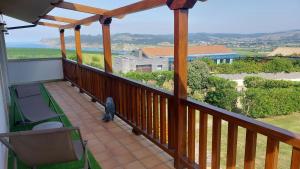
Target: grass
<point>32,53</point>
<point>289,122</point>
<point>67,123</point>
<point>92,58</point>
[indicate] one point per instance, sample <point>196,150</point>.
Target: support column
<point>79,56</point>
<point>105,22</point>
<point>62,43</point>
<point>78,44</point>
<point>180,8</point>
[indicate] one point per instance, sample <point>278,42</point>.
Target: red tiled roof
<point>193,50</point>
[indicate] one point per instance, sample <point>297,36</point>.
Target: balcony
<point>153,128</point>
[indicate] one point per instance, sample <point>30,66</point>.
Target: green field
<point>248,52</point>
<point>91,58</point>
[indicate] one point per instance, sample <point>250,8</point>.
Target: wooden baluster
<point>144,110</point>
<point>138,104</point>
<point>250,149</point>
<point>171,124</point>
<point>216,143</point>
<point>155,116</point>
<point>127,104</point>
<point>133,104</point>
<point>295,163</point>
<point>203,140</point>
<point>232,146</point>
<point>272,153</point>
<point>163,122</point>
<point>191,134</point>
<point>149,113</point>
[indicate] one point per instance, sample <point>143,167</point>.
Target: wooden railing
<point>146,109</point>
<point>150,112</point>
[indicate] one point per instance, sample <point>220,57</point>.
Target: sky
<point>212,16</point>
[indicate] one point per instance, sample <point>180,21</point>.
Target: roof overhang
<point>26,10</point>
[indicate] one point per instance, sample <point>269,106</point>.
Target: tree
<point>198,73</point>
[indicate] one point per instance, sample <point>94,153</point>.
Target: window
<point>159,67</point>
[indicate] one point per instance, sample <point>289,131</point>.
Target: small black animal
<point>110,110</point>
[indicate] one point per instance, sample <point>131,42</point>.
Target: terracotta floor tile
<point>124,159</point>
<point>140,154</point>
<point>151,161</point>
<point>135,165</point>
<point>112,144</point>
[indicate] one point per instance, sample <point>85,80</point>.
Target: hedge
<point>260,102</point>
<point>258,82</point>
<point>253,65</point>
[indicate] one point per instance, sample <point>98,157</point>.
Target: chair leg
<point>15,163</point>
<point>86,159</point>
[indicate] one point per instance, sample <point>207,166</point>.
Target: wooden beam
<point>79,8</point>
<point>84,21</point>
<point>62,43</point>
<point>119,12</point>
<point>180,79</point>
<point>107,44</point>
<point>53,25</point>
<point>135,7</point>
<point>59,19</point>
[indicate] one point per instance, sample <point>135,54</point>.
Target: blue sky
<point>212,16</point>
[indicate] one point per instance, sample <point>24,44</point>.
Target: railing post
<point>180,8</point>
<point>105,22</point>
<point>78,55</point>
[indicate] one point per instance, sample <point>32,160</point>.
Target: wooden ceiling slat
<point>119,12</point>
<point>59,19</point>
<point>80,8</point>
<point>53,25</point>
<point>135,7</point>
<point>84,21</point>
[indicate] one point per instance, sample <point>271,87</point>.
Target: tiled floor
<point>113,144</point>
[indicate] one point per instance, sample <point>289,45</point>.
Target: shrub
<point>221,83</point>
<point>258,103</point>
<point>222,93</point>
<point>258,82</point>
<point>160,76</point>
<point>279,65</point>
<point>223,98</point>
<point>198,73</point>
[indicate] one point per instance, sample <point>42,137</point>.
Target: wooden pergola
<point>180,8</point>
<point>175,132</point>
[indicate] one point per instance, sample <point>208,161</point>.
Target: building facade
<point>162,58</point>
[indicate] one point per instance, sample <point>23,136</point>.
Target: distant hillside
<point>126,41</point>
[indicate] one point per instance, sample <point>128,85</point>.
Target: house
<point>150,59</point>
<point>153,128</point>
<point>290,52</point>
<point>218,53</point>
<point>127,63</point>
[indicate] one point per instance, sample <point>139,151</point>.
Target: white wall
<point>4,99</point>
<point>3,129</point>
<point>26,71</point>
